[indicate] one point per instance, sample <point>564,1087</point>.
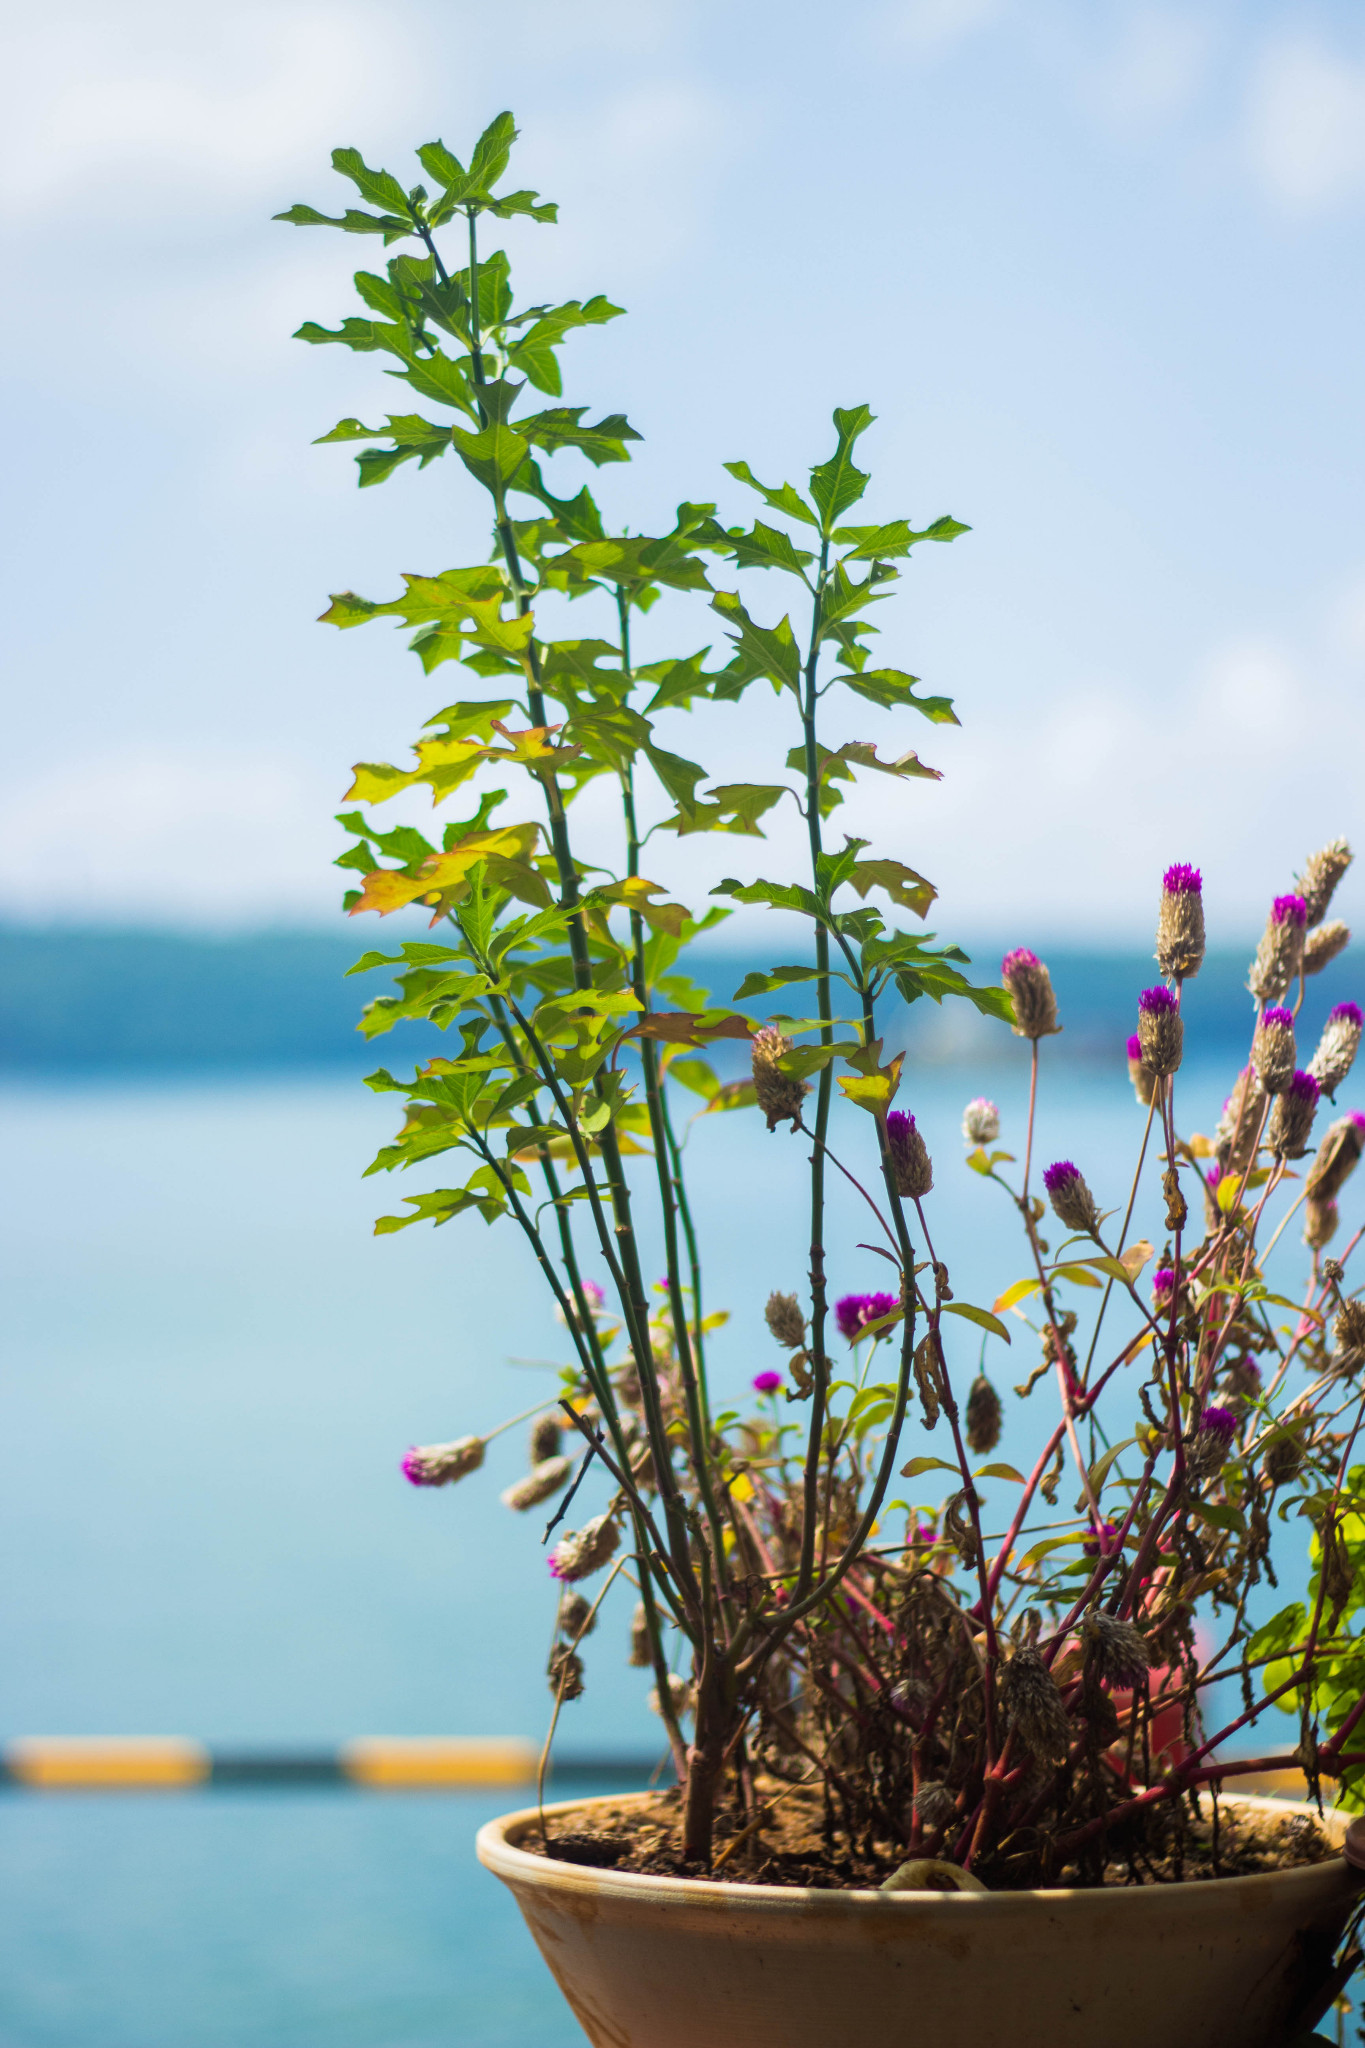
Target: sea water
<point>211,1370</point>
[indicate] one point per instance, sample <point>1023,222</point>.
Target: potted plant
<point>960,1769</point>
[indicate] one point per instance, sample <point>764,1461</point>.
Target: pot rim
<point>498,1852</point>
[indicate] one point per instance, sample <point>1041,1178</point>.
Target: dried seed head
<point>983,1416</point>
<point>584,1551</point>
<point>1034,1707</point>
<point>935,1805</point>
<point>1071,1199</point>
<point>1321,873</point>
<point>1322,944</point>
<point>1240,1124</point>
<point>1161,1033</point>
<point>1320,1220</point>
<point>1348,1330</point>
<point>1283,1459</point>
<point>1144,1083</point>
<point>575,1616</point>
<point>679,1692</point>
<point>543,1481</point>
<point>980,1121</point>
<point>546,1432</point>
<point>1337,1158</point>
<point>641,1654</point>
<point>1030,988</point>
<point>1291,1119</point>
<point>1337,1048</point>
<point>779,1095</point>
<point>439,1464</point>
<point>784,1318</point>
<point>1180,922</point>
<point>566,1672</point>
<point>1114,1650</point>
<point>1280,951</point>
<point>910,1161</point>
<point>1272,1050</point>
<point>1242,1377</point>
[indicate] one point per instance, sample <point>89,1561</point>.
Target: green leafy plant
<point>787,1635</point>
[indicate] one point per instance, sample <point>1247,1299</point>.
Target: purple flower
<point>1358,1119</point>
<point>1349,1013</point>
<point>1102,1541</point>
<point>1283,1020</point>
<point>1060,1175</point>
<point>1213,1176</point>
<point>1289,910</point>
<point>1012,962</point>
<point>1155,1000</point>
<point>1134,1046</point>
<point>767,1382</point>
<point>414,1468</point>
<point>1163,1287</point>
<point>1219,1422</point>
<point>1303,1087</point>
<point>1182,880</point>
<point>856,1311</point>
<point>924,1534</point>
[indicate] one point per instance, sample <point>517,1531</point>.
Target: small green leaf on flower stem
<point>982,1317</point>
<point>1077,1275</point>
<point>1049,1543</point>
<point>1220,1515</point>
<point>783,499</point>
<point>763,984</point>
<point>1102,1262</point>
<point>762,650</point>
<point>777,895</point>
<point>1020,1291</point>
<point>918,1465</point>
<point>884,543</point>
<point>892,688</point>
<point>998,1472</point>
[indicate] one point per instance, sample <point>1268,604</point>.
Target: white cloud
<point>1306,125</point>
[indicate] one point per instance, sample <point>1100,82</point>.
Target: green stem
<point>818,1290</point>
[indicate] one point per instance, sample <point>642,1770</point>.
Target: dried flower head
<point>1321,873</point>
<point>1114,1650</point>
<point>679,1693</point>
<point>584,1551</point>
<point>1280,951</point>
<point>1348,1332</point>
<point>1337,1048</point>
<point>1322,944</point>
<point>981,1121</point>
<point>1239,1127</point>
<point>1180,922</point>
<point>1320,1220</point>
<point>641,1654</point>
<point>855,1311</point>
<point>544,1480</point>
<point>935,1805</point>
<point>1337,1158</point>
<point>1030,989</point>
<point>439,1464</point>
<point>1291,1119</point>
<point>767,1382</point>
<point>1071,1199</point>
<point>594,1301</point>
<point>1144,1083</point>
<point>1161,1032</point>
<point>1033,1706</point>
<point>1284,1457</point>
<point>566,1672</point>
<point>780,1095</point>
<point>546,1432</point>
<point>983,1416</point>
<point>784,1318</point>
<point>576,1618</point>
<point>1272,1050</point>
<point>910,1161</point>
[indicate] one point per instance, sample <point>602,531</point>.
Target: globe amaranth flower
<point>1337,1048</point>
<point>1144,1083</point>
<point>1322,943</point>
<point>1114,1650</point>
<point>1163,1287</point>
<point>440,1464</point>
<point>1161,1033</point>
<point>546,1432</point>
<point>910,1162</point>
<point>1291,1119</point>
<point>1280,951</point>
<point>1239,1127</point>
<point>856,1311</point>
<point>767,1382</point>
<point>784,1318</point>
<point>541,1483</point>
<point>1103,1540</point>
<point>1030,989</point>
<point>1071,1199</point>
<point>1321,873</point>
<point>1272,1050</point>
<point>981,1121</point>
<point>1180,922</point>
<point>1337,1158</point>
<point>584,1551</point>
<point>1320,1219</point>
<point>780,1095</point>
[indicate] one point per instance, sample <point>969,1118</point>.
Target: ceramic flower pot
<point>657,1962</point>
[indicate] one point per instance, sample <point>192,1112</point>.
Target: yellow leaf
<point>1136,1257</point>
<point>741,1487</point>
<point>1200,1146</point>
<point>1019,1292</point>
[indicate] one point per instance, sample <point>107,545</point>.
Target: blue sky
<point>1096,267</point>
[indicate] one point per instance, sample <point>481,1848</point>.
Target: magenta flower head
<point>1134,1046</point>
<point>767,1382</point>
<point>441,1464</point>
<point>1071,1199</point>
<point>1163,1287</point>
<point>1337,1048</point>
<point>1144,1084</point>
<point>1103,1540</point>
<point>1217,1421</point>
<point>1161,1033</point>
<point>1030,990</point>
<point>1291,1118</point>
<point>1180,922</point>
<point>856,1311</point>
<point>1289,910</point>
<point>1272,1049</point>
<point>910,1161</point>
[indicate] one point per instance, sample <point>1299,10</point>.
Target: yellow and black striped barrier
<point>387,1763</point>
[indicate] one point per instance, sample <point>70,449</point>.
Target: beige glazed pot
<point>659,1962</point>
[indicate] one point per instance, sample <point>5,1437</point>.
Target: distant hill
<point>154,1001</point>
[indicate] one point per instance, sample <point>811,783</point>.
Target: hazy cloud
<point>1306,124</point>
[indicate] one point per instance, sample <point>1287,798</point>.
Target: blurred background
<point>1097,270</point>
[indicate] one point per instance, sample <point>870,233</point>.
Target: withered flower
<point>1180,922</point>
<point>780,1095</point>
<point>1161,1031</point>
<point>1321,873</point>
<point>1114,1650</point>
<point>910,1161</point>
<point>784,1318</point>
<point>584,1551</point>
<point>1337,1158</point>
<point>440,1464</point>
<point>1143,1080</point>
<point>544,1480</point>
<point>1291,1119</point>
<point>983,1416</point>
<point>1322,944</point>
<point>1272,1050</point>
<point>1337,1048</point>
<point>1030,989</point>
<point>1280,951</point>
<point>1033,1706</point>
<point>1070,1197</point>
